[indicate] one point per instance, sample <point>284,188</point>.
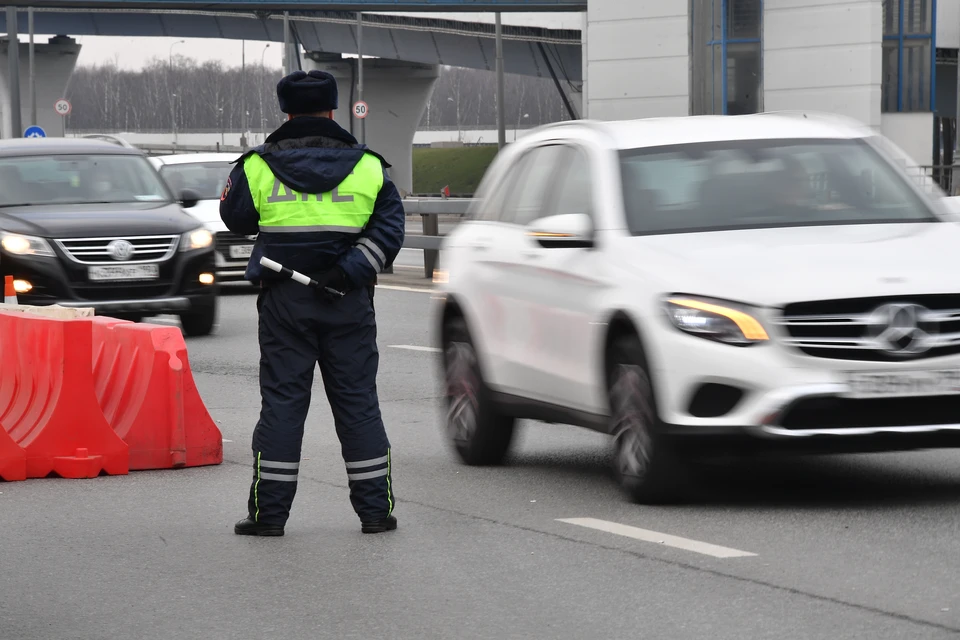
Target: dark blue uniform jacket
<point>314,155</point>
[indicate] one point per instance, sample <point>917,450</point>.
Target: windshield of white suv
<point>206,178</point>
<point>763,183</point>
<point>79,179</point>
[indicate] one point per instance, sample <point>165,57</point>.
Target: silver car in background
<point>206,174</point>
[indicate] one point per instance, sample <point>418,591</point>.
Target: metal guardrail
<point>430,210</point>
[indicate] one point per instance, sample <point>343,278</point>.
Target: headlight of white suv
<point>21,245</point>
<point>196,239</point>
<point>720,322</point>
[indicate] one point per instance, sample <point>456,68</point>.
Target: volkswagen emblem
<point>120,250</point>
<point>902,329</point>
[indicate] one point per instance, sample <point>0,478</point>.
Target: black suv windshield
<point>206,178</point>
<point>761,184</point>
<point>79,179</point>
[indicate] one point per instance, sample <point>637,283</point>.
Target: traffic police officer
<point>323,205</point>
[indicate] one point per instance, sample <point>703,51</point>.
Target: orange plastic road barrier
<point>13,461</point>
<point>148,395</point>
<point>48,406</point>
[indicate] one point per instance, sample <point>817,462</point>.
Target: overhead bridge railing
<point>430,210</point>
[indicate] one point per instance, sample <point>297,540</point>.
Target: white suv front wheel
<point>644,462</point>
<point>479,433</point>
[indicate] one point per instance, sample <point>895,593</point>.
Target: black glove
<point>333,284</point>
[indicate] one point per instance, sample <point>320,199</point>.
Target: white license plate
<point>124,272</point>
<point>901,384</point>
<point>241,251</point>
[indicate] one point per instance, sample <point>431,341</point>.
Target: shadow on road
<point>872,481</point>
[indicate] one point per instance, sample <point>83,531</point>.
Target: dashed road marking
<point>659,538</point>
<point>413,347</point>
<point>391,287</point>
<point>225,440</point>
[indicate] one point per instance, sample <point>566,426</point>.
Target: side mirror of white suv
<point>566,230</point>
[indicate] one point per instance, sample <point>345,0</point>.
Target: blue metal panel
<point>933,58</point>
<point>902,4</point>
<point>723,55</point>
<point>318,5</point>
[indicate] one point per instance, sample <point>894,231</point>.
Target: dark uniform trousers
<point>299,329</point>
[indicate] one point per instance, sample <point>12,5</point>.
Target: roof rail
<point>568,123</point>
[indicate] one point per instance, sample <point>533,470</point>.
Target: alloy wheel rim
<point>462,386</point>
<point>634,418</point>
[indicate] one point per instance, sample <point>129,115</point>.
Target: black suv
<point>86,223</point>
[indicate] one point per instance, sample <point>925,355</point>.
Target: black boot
<point>248,527</point>
<point>387,524</point>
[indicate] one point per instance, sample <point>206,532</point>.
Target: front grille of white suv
<point>890,329</point>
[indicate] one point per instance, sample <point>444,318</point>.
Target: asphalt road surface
<point>545,547</point>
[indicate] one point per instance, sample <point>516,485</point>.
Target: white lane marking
<point>413,347</point>
<point>660,538</point>
<point>396,288</point>
<point>225,440</point>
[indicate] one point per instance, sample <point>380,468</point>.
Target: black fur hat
<point>302,92</point>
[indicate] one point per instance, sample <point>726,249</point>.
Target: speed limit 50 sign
<point>63,107</point>
<point>360,109</point>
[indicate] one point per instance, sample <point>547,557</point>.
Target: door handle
<point>532,255</point>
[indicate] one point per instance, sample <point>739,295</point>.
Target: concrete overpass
<point>409,47</point>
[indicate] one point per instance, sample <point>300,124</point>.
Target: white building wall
<point>912,132</point>
<point>948,24</point>
<point>823,55</point>
<point>637,59</point>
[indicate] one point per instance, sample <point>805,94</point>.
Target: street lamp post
<point>173,115</point>
<point>170,53</point>
<point>243,95</point>
<point>13,58</point>
<point>173,96</point>
<point>33,74</point>
<point>501,109</point>
<point>263,126</point>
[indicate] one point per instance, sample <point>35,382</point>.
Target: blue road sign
<point>34,132</point>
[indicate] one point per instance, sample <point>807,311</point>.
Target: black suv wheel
<point>200,321</point>
<point>645,465</point>
<point>477,431</point>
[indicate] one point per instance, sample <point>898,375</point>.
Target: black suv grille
<point>889,329</point>
<point>841,413</point>
<point>138,249</point>
<point>226,240</point>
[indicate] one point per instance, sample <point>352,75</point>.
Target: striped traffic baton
<point>297,276</point>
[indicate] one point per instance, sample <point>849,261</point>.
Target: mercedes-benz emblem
<point>902,329</point>
<point>120,250</point>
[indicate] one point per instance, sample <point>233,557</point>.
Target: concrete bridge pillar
<point>396,93</point>
<point>54,62</point>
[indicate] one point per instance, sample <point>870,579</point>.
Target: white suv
<point>774,279</point>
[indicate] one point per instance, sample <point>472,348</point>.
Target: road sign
<point>360,109</point>
<point>63,107</point>
<point>34,132</point>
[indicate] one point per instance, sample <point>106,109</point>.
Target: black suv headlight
<point>197,239</point>
<point>20,245</point>
<point>724,322</point>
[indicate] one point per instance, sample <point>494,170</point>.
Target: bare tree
<point>207,97</point>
